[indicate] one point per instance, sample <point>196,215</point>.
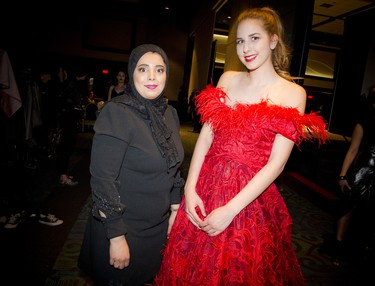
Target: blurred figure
<point>90,98</point>
<point>119,87</point>
<point>193,110</point>
<point>356,224</point>
<point>48,88</point>
<point>74,90</point>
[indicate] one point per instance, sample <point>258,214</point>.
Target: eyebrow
<point>147,65</point>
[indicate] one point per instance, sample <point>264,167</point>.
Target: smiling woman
<point>135,166</point>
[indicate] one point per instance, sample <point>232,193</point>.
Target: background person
<point>233,227</point>
<point>355,226</point>
<point>74,90</point>
<point>135,176</point>
<point>119,87</point>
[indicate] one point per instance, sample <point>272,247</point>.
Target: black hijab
<point>151,109</point>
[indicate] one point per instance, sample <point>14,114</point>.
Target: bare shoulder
<point>290,94</point>
<point>227,78</point>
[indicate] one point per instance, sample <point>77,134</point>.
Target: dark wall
<point>358,33</point>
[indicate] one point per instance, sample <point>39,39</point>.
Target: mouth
<point>151,86</point>
<point>249,58</point>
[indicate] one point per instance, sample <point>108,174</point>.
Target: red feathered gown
<point>256,248</point>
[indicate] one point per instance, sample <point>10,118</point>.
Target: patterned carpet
<point>312,224</point>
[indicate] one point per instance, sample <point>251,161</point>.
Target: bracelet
<point>341,178</point>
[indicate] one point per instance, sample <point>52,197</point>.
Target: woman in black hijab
<point>135,178</point>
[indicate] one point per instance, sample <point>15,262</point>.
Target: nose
<point>151,75</point>
<point>246,46</point>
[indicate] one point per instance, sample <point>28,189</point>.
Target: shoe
<point>15,220</point>
<point>50,220</point>
<point>68,182</point>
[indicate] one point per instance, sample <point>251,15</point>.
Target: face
<point>121,76</point>
<point>254,45</point>
<point>45,77</point>
<point>150,75</point>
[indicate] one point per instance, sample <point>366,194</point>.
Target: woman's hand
<point>119,254</point>
<point>192,202</point>
<point>218,220</point>
<point>344,184</point>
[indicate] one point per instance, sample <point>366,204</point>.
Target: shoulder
<point>227,78</point>
<point>173,110</point>
<point>289,94</point>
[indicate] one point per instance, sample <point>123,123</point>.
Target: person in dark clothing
<point>355,226</point>
<point>48,89</point>
<point>70,98</point>
<point>197,126</point>
<point>135,177</point>
<point>119,87</point>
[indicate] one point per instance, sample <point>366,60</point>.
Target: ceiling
<point>329,15</point>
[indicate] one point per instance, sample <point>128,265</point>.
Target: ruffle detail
<point>284,120</point>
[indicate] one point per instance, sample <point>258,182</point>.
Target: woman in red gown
<point>233,227</point>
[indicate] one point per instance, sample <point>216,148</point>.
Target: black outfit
<point>49,110</point>
<point>135,177</point>
<point>361,177</point>
<point>69,102</point>
<point>114,93</point>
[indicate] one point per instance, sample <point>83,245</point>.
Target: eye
<point>240,41</point>
<point>254,38</point>
<point>160,70</point>
<point>141,69</point>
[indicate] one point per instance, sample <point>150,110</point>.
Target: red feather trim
<point>284,120</point>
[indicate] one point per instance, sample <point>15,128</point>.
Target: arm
<point>110,92</point>
<point>192,200</point>
<point>218,220</point>
<point>108,150</point>
<point>172,216</point>
<point>351,154</point>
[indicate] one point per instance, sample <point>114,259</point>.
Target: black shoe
<point>15,220</point>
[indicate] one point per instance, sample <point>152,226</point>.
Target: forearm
<point>174,207</point>
<point>279,156</point>
<point>348,160</point>
<point>258,184</point>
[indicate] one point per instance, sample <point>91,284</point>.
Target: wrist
<point>342,178</point>
<point>174,208</point>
